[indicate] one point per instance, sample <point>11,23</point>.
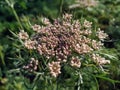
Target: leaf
<point>109,56</point>
<point>14,34</point>
<point>107,79</point>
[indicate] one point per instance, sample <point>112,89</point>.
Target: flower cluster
<point>54,68</point>
<point>36,28</point>
<point>32,65</point>
<point>99,60</point>
<point>75,62</point>
<point>60,39</point>
<point>23,35</point>
<point>29,44</point>
<point>101,35</point>
<point>96,45</point>
<point>87,24</point>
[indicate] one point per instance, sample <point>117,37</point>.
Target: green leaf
<point>107,79</point>
<point>2,55</point>
<point>109,56</point>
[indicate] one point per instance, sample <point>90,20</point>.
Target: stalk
<point>61,5</point>
<point>11,5</point>
<point>2,59</point>
<point>17,18</point>
<point>79,80</point>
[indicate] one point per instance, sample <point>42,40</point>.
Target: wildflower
<point>54,68</point>
<point>29,44</point>
<point>23,35</point>
<point>61,38</point>
<point>101,35</point>
<point>99,60</point>
<point>96,45</point>
<point>75,62</point>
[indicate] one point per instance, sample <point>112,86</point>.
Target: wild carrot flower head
<point>63,37</point>
<point>60,39</point>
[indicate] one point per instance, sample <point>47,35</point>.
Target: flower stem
<point>14,70</point>
<point>79,81</point>
<point>17,18</point>
<point>11,5</point>
<point>61,4</point>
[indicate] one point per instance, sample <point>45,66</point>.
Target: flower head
<point>96,45</point>
<point>99,60</point>
<point>23,35</point>
<point>30,44</point>
<point>87,24</point>
<point>36,27</point>
<point>60,39</point>
<point>75,62</point>
<point>101,35</point>
<point>54,68</point>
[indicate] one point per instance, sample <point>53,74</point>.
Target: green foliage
<point>13,55</point>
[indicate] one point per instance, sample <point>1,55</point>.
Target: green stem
<point>61,4</point>
<point>79,80</point>
<point>2,59</point>
<point>14,70</point>
<point>3,62</point>
<point>96,82</point>
<point>11,5</point>
<point>17,18</point>
<point>57,83</point>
